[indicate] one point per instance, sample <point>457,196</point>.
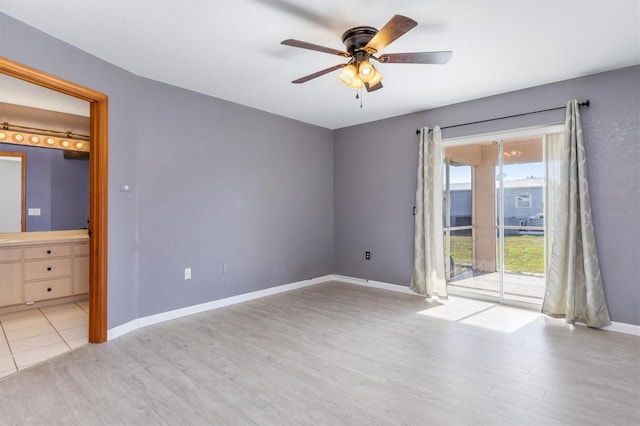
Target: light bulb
<point>366,71</point>
<point>18,138</point>
<point>50,141</point>
<point>3,136</point>
<point>34,139</point>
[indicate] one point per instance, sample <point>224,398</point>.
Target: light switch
<point>33,212</point>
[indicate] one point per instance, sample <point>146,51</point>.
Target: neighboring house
<point>523,203</point>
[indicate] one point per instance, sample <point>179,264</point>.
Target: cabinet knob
<point>49,289</point>
<point>49,268</point>
<point>48,251</point>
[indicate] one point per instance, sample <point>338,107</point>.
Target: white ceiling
<point>231,49</point>
<point>19,92</point>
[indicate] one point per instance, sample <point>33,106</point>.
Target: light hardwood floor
<point>334,354</point>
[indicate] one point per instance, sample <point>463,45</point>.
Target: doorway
<point>98,164</point>
<point>494,218</point>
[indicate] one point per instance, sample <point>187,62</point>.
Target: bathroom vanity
<point>39,267</point>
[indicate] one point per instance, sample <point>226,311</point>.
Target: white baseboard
<point>623,327</point>
<point>618,327</point>
<point>130,326</point>
<point>376,284</point>
<point>215,304</point>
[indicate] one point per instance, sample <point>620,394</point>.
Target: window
<point>523,201</point>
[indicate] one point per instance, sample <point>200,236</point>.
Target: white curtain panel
<point>574,286</point>
<point>555,166</point>
<point>428,275</point>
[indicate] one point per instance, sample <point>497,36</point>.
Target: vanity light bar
<point>22,138</point>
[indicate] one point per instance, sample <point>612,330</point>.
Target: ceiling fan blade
<point>416,58</point>
<point>326,20</point>
<point>318,74</point>
<point>311,46</point>
<point>373,88</point>
<point>392,30</point>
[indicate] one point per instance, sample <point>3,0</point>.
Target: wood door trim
<point>98,184</point>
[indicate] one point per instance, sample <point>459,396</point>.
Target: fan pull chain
<point>359,94</point>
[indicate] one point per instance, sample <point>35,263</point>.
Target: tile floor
<point>29,337</point>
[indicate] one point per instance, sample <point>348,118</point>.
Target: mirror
<point>52,192</point>
<point>12,192</point>
<point>56,190</point>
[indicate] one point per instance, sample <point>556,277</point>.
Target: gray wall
<point>69,192</point>
<point>375,166</point>
<point>228,185</point>
<point>212,182</point>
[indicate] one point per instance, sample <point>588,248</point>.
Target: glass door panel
<point>523,178</point>
<point>469,226</point>
<point>493,217</point>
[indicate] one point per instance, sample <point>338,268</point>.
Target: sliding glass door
<point>494,224</point>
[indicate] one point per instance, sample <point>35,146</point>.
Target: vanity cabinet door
<point>81,275</point>
<point>10,283</point>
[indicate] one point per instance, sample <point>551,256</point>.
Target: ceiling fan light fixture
<point>363,43</point>
<point>349,74</point>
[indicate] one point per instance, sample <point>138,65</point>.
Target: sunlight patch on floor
<point>456,309</point>
<point>482,314</point>
<point>502,318</point>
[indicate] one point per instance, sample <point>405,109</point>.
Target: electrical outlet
<point>367,255</point>
<point>225,268</point>
<point>187,273</point>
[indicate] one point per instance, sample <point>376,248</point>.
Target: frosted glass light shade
<point>377,78</point>
<point>348,74</point>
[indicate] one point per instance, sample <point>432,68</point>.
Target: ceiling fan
<point>363,44</point>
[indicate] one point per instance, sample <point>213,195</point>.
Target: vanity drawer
<point>43,252</point>
<point>81,249</point>
<point>49,289</point>
<point>9,254</point>
<point>45,269</point>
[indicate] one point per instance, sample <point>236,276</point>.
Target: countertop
<point>10,239</point>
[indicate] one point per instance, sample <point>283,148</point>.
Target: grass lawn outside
<point>522,253</point>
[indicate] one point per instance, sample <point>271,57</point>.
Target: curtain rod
<point>581,104</point>
<point>8,126</point>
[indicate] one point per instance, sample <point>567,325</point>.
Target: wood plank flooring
<point>334,354</point>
